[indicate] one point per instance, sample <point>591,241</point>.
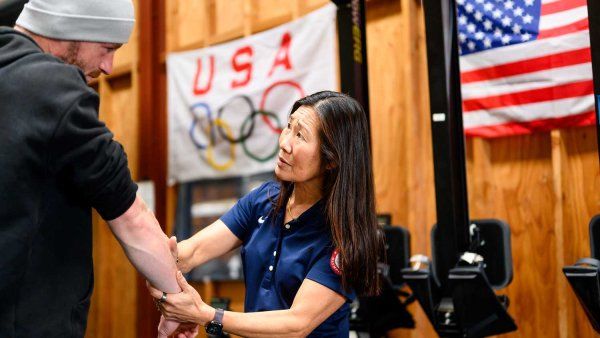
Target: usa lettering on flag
<point>525,66</point>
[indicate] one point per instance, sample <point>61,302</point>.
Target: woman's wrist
<point>186,255</point>
<point>207,313</point>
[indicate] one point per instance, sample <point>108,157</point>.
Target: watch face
<point>214,328</point>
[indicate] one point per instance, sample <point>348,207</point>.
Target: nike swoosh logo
<point>261,220</point>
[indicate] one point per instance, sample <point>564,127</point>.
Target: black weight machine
<point>584,275</point>
<point>471,258</point>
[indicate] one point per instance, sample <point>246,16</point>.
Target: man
<point>57,160</point>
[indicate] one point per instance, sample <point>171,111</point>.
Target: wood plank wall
<point>545,186</point>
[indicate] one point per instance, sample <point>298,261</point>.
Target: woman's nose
<point>284,143</point>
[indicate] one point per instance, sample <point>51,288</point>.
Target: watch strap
<point>218,316</point>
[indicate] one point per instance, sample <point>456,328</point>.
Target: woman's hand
<point>182,252</point>
<point>186,306</point>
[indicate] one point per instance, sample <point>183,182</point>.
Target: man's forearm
<point>145,244</point>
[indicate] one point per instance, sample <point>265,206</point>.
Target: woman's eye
<point>299,135</point>
<point>289,126</point>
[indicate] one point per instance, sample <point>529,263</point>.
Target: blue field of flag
<point>487,24</point>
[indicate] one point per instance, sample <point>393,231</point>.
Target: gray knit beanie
<point>108,21</point>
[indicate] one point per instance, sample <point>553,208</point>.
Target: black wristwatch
<point>216,326</point>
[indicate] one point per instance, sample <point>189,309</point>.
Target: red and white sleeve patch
<point>334,262</point>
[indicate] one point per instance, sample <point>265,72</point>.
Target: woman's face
<point>299,148</point>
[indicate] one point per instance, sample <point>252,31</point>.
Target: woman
<point>309,242</point>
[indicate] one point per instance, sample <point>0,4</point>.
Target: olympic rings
<point>210,157</point>
<point>263,100</point>
<point>225,132</point>
<point>196,120</point>
<point>243,137</point>
<point>245,147</point>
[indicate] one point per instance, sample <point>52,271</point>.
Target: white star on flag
<point>487,24</point>
<point>498,33</point>
<point>478,16</point>
<point>518,11</point>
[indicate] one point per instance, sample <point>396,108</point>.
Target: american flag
<point>525,66</point>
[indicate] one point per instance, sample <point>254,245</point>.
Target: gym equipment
<point>471,258</point>
<point>584,277</point>
<point>352,38</point>
<point>374,316</point>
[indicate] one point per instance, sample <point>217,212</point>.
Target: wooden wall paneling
<point>386,80</point>
<point>579,175</point>
<point>187,24</point>
<point>126,56</point>
<point>417,128</point>
<point>565,306</point>
<point>512,179</point>
<point>226,20</point>
<point>266,14</point>
<point>306,6</point>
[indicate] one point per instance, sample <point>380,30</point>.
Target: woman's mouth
<point>281,162</point>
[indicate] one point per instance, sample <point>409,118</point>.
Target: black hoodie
<point>57,161</point>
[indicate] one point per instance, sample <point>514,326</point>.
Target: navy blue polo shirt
<point>278,257</point>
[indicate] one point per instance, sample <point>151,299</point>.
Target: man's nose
<point>107,64</point>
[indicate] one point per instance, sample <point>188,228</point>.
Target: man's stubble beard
<point>72,57</point>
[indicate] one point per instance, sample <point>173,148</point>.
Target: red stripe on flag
<point>572,57</point>
<point>559,6</point>
<point>564,91</point>
<point>520,128</point>
<point>577,26</point>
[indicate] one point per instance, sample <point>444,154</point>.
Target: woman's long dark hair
<point>347,187</point>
